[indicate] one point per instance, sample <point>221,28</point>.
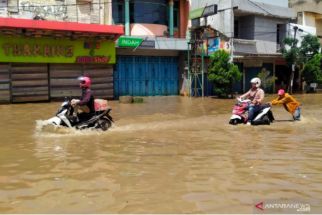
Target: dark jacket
<point>87,99</point>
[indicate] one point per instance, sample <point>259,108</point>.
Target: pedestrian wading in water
<point>290,104</point>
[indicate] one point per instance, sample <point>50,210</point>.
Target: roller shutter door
<point>64,83</point>
<point>102,80</point>
<point>63,80</point>
<point>29,82</point>
<point>4,83</point>
<point>146,76</point>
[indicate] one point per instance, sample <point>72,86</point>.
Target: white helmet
<point>256,81</point>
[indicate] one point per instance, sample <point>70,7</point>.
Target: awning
<point>39,28</point>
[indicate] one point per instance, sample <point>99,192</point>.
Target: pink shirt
<point>255,95</point>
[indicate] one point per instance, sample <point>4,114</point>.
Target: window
<point>144,11</point>
<point>236,28</point>
<point>176,15</point>
<point>148,11</point>
<point>300,18</point>
<point>278,30</point>
<point>118,12</point>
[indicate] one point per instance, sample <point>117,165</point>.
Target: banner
<point>49,50</point>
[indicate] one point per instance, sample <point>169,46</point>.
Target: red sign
<point>95,59</point>
<point>280,61</point>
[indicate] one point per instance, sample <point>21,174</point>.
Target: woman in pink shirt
<point>256,96</point>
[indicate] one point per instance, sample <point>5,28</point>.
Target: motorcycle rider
<point>290,104</point>
<point>256,96</point>
<point>84,107</point>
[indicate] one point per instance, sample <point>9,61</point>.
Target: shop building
<point>41,60</point>
<point>151,53</point>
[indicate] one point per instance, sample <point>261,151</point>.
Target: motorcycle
<point>101,119</point>
<point>240,114</point>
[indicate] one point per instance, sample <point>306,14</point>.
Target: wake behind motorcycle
<point>240,114</point>
<point>100,120</point>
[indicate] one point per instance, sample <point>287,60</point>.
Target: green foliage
<point>223,73</point>
<point>312,70</point>
<point>304,56</point>
<point>295,54</point>
<point>310,46</point>
<point>267,80</point>
<point>290,51</point>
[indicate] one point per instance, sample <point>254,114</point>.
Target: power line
<point>260,7</point>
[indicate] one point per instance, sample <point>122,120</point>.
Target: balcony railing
<point>243,46</point>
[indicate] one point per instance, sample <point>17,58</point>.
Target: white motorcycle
<point>240,114</point>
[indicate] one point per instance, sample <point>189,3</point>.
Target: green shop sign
<point>48,50</point>
<point>197,13</point>
<point>129,42</point>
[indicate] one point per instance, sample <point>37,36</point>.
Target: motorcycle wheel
<point>234,121</point>
<point>266,120</point>
<point>103,124</point>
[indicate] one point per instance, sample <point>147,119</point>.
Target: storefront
<point>46,67</point>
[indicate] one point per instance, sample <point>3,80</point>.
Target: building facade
<point>309,14</point>
<point>253,31</point>
<point>154,65</point>
<point>46,45</point>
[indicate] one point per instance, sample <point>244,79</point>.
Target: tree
<point>267,80</point>
<point>223,73</point>
<point>312,70</point>
<point>291,51</point>
<point>310,46</point>
<point>297,56</point>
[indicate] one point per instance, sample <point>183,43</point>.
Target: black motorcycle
<point>101,119</point>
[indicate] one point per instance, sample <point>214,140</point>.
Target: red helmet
<point>85,82</point>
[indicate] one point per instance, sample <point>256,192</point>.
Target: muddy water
<point>168,155</point>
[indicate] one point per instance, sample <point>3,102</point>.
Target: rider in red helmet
<point>85,104</point>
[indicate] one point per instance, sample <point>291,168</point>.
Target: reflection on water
<point>168,155</point>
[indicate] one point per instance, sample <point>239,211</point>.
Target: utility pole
<point>127,17</point>
<point>171,3</point>
<point>232,22</point>
<point>295,28</point>
<point>202,70</point>
<point>189,70</point>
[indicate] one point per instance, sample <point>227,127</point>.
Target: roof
<point>41,27</point>
<point>251,7</point>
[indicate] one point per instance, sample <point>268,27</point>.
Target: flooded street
<point>167,155</point>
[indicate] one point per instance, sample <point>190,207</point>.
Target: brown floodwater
<point>167,155</point>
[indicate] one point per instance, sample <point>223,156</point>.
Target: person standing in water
<point>290,104</point>
<point>256,96</point>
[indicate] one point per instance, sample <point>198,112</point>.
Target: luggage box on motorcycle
<point>100,105</point>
